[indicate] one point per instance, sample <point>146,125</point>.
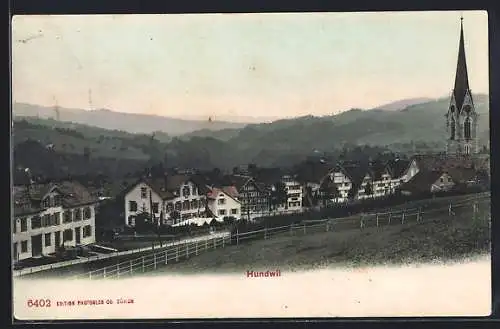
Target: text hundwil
<point>263,274</point>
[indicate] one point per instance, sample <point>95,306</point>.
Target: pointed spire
<point>461,77</point>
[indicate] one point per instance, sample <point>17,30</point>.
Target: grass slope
<point>437,238</point>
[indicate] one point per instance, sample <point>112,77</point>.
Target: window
<point>452,129</point>
<point>178,205</point>
<point>195,191</point>
<point>170,207</point>
<point>234,211</point>
<point>67,216</point>
<point>130,221</point>
<point>441,179</point>
<point>57,200</point>
<point>144,192</point>
<point>194,204</point>
<point>467,129</point>
<point>46,202</point>
<point>155,207</point>
<point>78,214</point>
<point>68,235</point>
<point>185,205</point>
<point>221,201</point>
<point>57,216</point>
<point>24,246</point>
<point>87,231</point>
<point>36,222</point>
<point>24,224</point>
<point>45,221</point>
<point>222,212</point>
<point>87,213</point>
<point>186,191</point>
<point>14,226</point>
<point>48,239</point>
<point>132,206</point>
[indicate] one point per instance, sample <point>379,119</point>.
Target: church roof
<point>461,77</point>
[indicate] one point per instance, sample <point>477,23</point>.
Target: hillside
<point>402,104</point>
<point>423,122</point>
<point>131,122</point>
<point>282,143</point>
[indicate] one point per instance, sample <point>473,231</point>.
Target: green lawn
<point>437,238</point>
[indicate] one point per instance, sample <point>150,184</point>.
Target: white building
<point>169,200</point>
<point>223,202</point>
<point>294,194</point>
<point>49,216</point>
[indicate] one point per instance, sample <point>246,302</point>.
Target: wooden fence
<point>359,221</point>
<point>155,246</point>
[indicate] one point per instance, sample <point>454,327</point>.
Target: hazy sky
<point>243,64</point>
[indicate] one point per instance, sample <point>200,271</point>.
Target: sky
<point>260,65</point>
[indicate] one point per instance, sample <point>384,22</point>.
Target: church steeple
<point>461,77</point>
<point>461,118</point>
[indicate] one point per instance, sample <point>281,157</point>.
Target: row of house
<point>177,198</point>
<point>51,216</point>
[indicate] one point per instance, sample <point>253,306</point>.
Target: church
<point>461,118</point>
<point>462,153</point>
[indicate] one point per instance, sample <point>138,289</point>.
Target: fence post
<point>143,268</point>
<point>237,237</point>
<point>403,218</point>
<point>177,253</point>
<point>326,226</point>
<point>304,228</point>
<point>223,241</point>
<point>187,249</point>
<point>196,248</point>
<point>265,233</point>
<point>291,229</point>
<point>131,268</point>
<point>361,222</point>
<point>118,270</point>
<point>104,272</point>
<point>154,261</point>
<point>166,256</point>
<point>206,244</point>
<point>390,215</point>
<point>449,210</point>
<point>90,275</point>
<point>377,219</point>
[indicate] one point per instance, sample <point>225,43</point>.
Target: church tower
<point>461,119</point>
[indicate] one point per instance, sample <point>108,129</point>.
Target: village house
<point>167,200</point>
<point>426,181</point>
<point>294,194</point>
<point>254,197</point>
<point>50,216</point>
<point>223,202</point>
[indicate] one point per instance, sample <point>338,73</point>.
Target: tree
<point>368,188</point>
<point>328,190</point>
<point>352,193</point>
<point>279,195</point>
<point>86,153</point>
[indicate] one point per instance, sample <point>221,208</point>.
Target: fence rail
<point>82,260</point>
<point>360,221</point>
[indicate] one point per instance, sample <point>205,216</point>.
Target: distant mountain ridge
<point>130,122</point>
<point>404,103</point>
